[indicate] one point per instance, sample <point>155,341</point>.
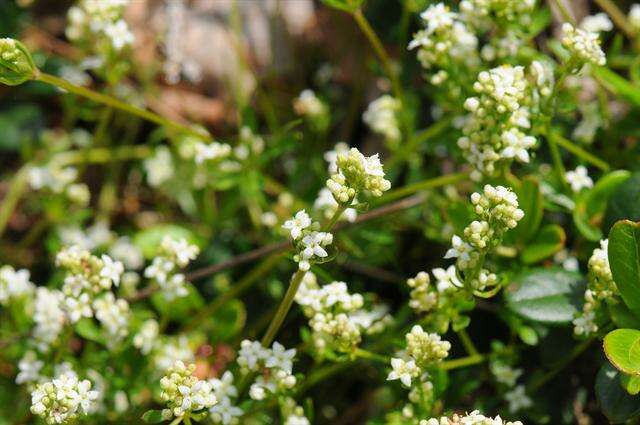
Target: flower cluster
<point>172,255</point>
<point>497,211</point>
<point>14,284</point>
<point>601,287</point>
<point>493,131</point>
<point>445,43</point>
<point>499,11</point>
<point>211,151</point>
<point>473,418</point>
<point>113,314</point>
<point>100,23</point>
<point>336,317</point>
<point>357,173</point>
<point>63,399</point>
<point>146,337</point>
<point>309,105</point>
<point>224,412</point>
<point>310,243</point>
<point>49,317</point>
<point>275,363</point>
<point>183,392</point>
<point>59,179</point>
<point>584,46</point>
<point>423,351</point>
<point>86,277</point>
<point>381,117</point>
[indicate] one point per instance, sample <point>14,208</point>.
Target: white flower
<point>583,45</point>
<point>446,279</point>
<point>599,22</point>
<point>579,179</point>
<point>280,358</point>
<point>29,367</point>
<point>297,224</point>
<point>517,145</point>
<point>438,16</point>
<point>251,354</point>
<point>459,249</point>
<point>78,308</point>
<point>518,399</point>
<point>126,252</point>
<point>180,249</point>
<point>403,370</point>
<point>111,270</point>
<point>308,104</point>
<point>63,399</point>
<point>380,116</point>
<point>634,16</point>
<point>146,338</point>
<point>314,244</point>
<point>332,156</point>
<point>14,284</point>
<point>159,167</point>
<point>114,315</point>
<point>223,387</point>
<point>185,393</point>
<point>505,374</point>
<point>210,152</point>
<point>119,34</point>
<point>224,412</point>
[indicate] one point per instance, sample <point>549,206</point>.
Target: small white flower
<point>297,224</point>
<point>281,358</point>
<point>403,370</point>
<point>518,399</point>
<point>111,270</point>
<point>599,22</point>
<point>446,279</point>
<point>119,34</point>
<point>579,179</point>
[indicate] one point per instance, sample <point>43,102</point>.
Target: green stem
<point>617,17</point>
<point>335,217</point>
<point>373,38</point>
<point>176,421</point>
<point>462,362</point>
<point>466,341</point>
<point>578,151</point>
<point>16,189</point>
<point>564,11</point>
<point>423,185</point>
<point>102,155</point>
<point>557,161</point>
<point>577,350</point>
<point>283,308</point>
<point>118,104</point>
<point>243,284</point>
<point>368,355</point>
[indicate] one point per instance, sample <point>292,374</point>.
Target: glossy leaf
<point>622,347</point>
<point>624,203</point>
<point>153,416</point>
<point>529,201</point>
<point>591,204</point>
<point>550,296</point>
<point>617,405</point>
<point>624,260</point>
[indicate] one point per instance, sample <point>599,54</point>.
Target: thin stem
<point>462,362</point>
<point>335,217</point>
<point>16,189</point>
<point>423,185</point>
<point>368,355</point>
<point>118,104</point>
<point>283,308</point>
<point>241,286</point>
<point>576,352</point>
<point>176,421</point>
<point>565,12</point>
<point>373,38</point>
<point>618,18</point>
<point>557,161</point>
<point>578,151</point>
<point>467,342</point>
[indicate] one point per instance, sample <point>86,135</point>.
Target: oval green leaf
<point>549,240</point>
<point>617,405</point>
<point>550,296</point>
<point>624,260</point>
<point>590,205</point>
<point>624,203</point>
<point>622,347</point>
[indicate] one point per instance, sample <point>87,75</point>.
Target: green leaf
<point>546,243</point>
<point>228,321</point>
<point>624,203</point>
<point>153,416</point>
<point>622,316</point>
<point>344,5</point>
<point>528,335</point>
<point>148,240</point>
<point>622,347</point>
<point>617,84</point>
<point>550,296</point>
<point>630,383</point>
<point>88,329</point>
<point>591,204</point>
<point>624,260</point>
<point>178,308</point>
<point>617,405</point>
<point>530,202</point>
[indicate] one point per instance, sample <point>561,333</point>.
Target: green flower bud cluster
<point>16,64</point>
<point>426,348</point>
<point>584,46</point>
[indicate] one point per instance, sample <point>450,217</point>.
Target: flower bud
<point>16,64</point>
